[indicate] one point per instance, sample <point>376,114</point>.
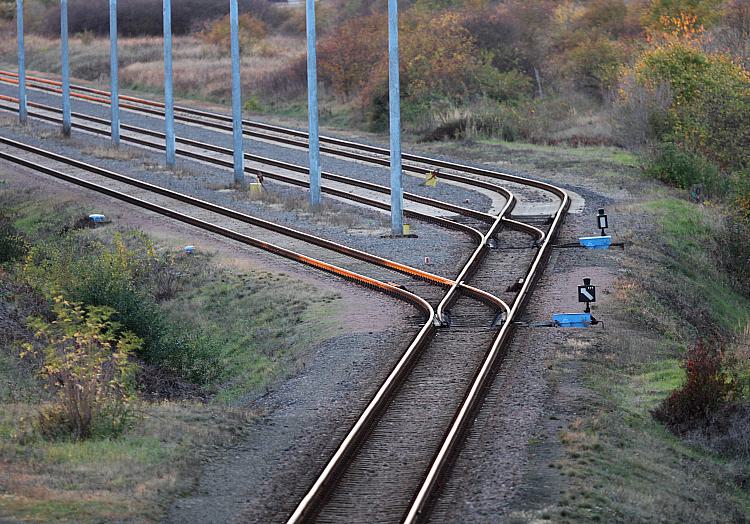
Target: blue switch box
<point>569,320</point>
<point>601,242</point>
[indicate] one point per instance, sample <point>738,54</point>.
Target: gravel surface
<point>380,175</point>
<point>353,225</point>
<point>505,469</point>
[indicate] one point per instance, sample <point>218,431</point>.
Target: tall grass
<point>273,69</point>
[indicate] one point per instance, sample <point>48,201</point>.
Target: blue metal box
<point>600,242</point>
<point>572,319</point>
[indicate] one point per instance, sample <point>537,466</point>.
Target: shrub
<point>13,244</point>
<point>705,390</point>
<point>128,279</point>
<point>685,170</point>
<point>591,63</point>
<point>251,31</point>
<point>710,110</point>
<point>86,359</point>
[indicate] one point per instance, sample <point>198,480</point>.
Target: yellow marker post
<point>430,179</point>
<point>407,229</point>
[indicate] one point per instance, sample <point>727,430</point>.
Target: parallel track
<point>471,327</point>
<point>349,150</point>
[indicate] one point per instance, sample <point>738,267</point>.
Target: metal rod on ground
<point>168,94</point>
<point>65,67</point>
<point>239,159</point>
<point>22,109</point>
<point>113,67</point>
<point>394,100</point>
<point>312,105</point>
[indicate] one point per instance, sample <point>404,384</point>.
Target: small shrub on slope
<point>86,359</point>
<point>707,387</point>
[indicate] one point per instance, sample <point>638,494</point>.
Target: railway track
<point>422,409</point>
<point>470,224</point>
<point>369,154</point>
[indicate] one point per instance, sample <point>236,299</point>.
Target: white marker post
<point>394,102</point>
<point>65,67</point>
<point>113,67</point>
<point>22,109</point>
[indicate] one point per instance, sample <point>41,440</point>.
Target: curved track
<point>389,465</point>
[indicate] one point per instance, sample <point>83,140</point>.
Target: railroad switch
<point>563,320</point>
<point>515,288</point>
<point>499,320</point>
<point>446,322</point>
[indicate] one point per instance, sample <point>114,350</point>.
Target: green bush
<point>673,165</point>
<point>710,109</point>
<point>127,278</point>
<point>13,244</point>
<point>86,359</point>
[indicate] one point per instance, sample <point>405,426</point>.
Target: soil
<point>502,473</point>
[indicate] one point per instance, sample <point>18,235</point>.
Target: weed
<point>86,359</point>
<point>706,388</point>
<point>13,244</point>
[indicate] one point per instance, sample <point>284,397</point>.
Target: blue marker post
<point>65,67</point>
<point>239,160</point>
<point>113,66</point>
<point>312,105</point>
<point>22,109</point>
<point>168,95</point>
<point>394,100</point>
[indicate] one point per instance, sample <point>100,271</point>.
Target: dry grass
<point>327,213</point>
<point>110,153</point>
<point>269,70</point>
<point>95,481</point>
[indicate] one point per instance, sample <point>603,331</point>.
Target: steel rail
<point>462,420</point>
<point>521,226</point>
<point>276,163</point>
<point>302,134</point>
<point>366,281</point>
<point>444,222</point>
<point>310,503</point>
<point>236,215</point>
<point>474,292</point>
<point>475,234</point>
<point>354,156</point>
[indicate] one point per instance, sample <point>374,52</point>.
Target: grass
<point>260,323</point>
<point>613,155</point>
<point>622,466</point>
<point>201,71</point>
<point>689,232</point>
<point>130,478</point>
